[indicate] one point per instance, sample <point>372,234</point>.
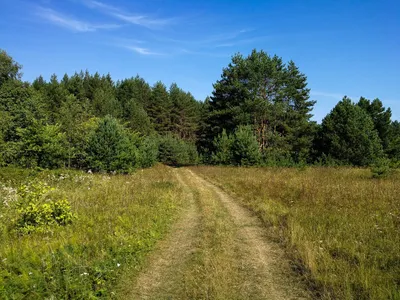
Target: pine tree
<point>380,116</point>
<point>160,108</point>
<point>185,113</point>
<point>272,97</point>
<point>349,136</point>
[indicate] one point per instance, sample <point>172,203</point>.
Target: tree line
<point>259,113</point>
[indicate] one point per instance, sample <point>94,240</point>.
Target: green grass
<point>119,219</point>
<point>340,226</point>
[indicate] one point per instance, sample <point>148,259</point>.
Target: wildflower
<point>118,265</point>
<point>84,274</point>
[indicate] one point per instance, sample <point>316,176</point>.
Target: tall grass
<point>340,224</point>
<point>119,219</point>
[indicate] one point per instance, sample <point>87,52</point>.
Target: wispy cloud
<point>128,17</point>
<point>221,40</point>
<point>141,50</point>
<point>70,22</point>
<point>336,96</point>
<point>203,53</point>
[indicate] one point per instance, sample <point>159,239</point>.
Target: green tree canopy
<point>272,97</point>
<point>348,135</point>
<point>9,69</point>
<point>380,116</point>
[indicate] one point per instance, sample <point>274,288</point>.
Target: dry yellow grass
<point>217,250</point>
<point>341,225</point>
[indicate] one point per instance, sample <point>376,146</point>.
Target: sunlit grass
<point>119,219</point>
<point>340,224</point>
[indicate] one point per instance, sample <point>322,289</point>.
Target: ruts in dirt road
<point>216,250</point>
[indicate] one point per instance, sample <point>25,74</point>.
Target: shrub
<point>111,148</point>
<point>148,152</point>
<point>245,148</point>
<point>42,146</point>
<point>36,212</point>
<point>176,152</point>
<point>381,168</point>
<point>223,145</point>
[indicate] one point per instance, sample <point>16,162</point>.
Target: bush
<point>241,148</point>
<point>176,152</point>
<point>148,152</point>
<point>223,145</point>
<point>37,213</point>
<point>381,168</point>
<point>111,148</point>
<point>43,146</point>
<point>245,148</point>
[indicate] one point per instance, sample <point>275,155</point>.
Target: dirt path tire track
<point>216,250</point>
<point>269,271</point>
<point>170,255</point>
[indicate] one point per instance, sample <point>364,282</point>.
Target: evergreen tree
<point>133,89</point>
<point>185,113</point>
<point>245,148</point>
<point>223,149</point>
<point>380,116</point>
<point>110,147</point>
<point>393,149</point>
<point>349,136</point>
<point>160,108</point>
<point>262,91</point>
<point>104,103</point>
<point>55,95</point>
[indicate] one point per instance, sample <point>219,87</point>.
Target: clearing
<point>216,250</point>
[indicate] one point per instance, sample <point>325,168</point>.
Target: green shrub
<point>176,152</point>
<point>148,152</point>
<point>381,168</point>
<point>110,147</point>
<point>223,145</point>
<point>37,212</point>
<point>39,145</point>
<point>245,148</point>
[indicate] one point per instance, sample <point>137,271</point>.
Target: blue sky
<point>344,47</point>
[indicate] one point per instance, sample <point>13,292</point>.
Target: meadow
<point>117,219</point>
<point>340,226</point>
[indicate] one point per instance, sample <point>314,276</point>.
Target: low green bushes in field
<point>118,220</point>
<point>340,225</point>
<point>36,211</point>
<point>176,152</point>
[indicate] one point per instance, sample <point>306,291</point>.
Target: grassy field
<point>340,226</point>
<point>117,221</point>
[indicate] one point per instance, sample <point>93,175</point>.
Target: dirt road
<point>217,250</point>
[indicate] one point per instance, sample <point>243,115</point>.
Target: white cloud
<point>330,95</point>
<point>136,19</point>
<point>71,23</point>
<point>141,50</point>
